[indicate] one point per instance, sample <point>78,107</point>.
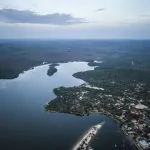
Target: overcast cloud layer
<point>25,16</point>
<point>75,19</point>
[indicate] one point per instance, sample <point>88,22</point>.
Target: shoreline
<point>134,142</point>
<point>131,141</point>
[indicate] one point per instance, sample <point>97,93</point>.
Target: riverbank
<point>134,143</point>
<point>82,100</point>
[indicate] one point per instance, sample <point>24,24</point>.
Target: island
<point>52,69</point>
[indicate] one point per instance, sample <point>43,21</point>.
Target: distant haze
<point>90,19</point>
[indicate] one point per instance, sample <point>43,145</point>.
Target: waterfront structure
<point>87,137</point>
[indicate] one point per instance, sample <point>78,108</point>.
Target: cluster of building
<point>130,108</point>
<point>133,115</point>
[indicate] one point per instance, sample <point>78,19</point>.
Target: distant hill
<point>17,56</point>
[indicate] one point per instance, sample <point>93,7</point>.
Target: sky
<point>75,19</point>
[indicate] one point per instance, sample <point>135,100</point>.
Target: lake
<point>25,125</point>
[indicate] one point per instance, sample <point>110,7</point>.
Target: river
<point>25,125</point>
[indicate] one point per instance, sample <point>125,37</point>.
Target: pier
<point>83,144</point>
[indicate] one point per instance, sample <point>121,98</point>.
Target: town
<point>130,109</point>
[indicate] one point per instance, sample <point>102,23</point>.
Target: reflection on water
<point>25,125</point>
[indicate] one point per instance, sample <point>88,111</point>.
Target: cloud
<point>26,16</point>
<point>145,16</point>
<point>100,9</point>
<point>135,30</point>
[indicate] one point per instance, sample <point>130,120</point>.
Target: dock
<point>83,144</point>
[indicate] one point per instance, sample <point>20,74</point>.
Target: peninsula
<point>122,94</point>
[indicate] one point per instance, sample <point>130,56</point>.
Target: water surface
<point>24,124</point>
